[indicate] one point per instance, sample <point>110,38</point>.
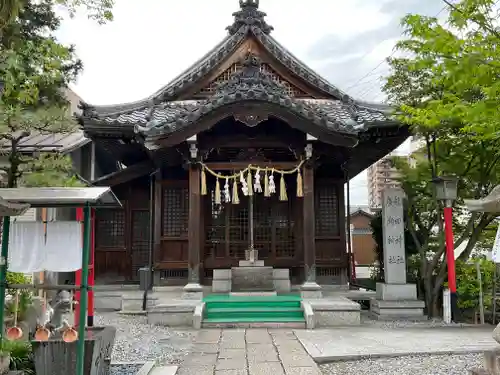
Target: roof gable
<point>249,24</point>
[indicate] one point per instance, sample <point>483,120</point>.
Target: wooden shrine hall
<point>248,149</point>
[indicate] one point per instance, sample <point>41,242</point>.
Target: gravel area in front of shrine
<point>138,341</point>
<point>409,365</point>
<point>125,369</point>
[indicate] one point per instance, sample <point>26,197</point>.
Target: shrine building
<point>241,158</point>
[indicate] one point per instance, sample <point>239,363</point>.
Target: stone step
<point>269,325</point>
<point>253,294</point>
<point>163,370</point>
<point>251,314</point>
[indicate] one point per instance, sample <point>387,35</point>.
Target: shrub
<point>24,294</point>
<point>468,284</point>
<point>21,356</point>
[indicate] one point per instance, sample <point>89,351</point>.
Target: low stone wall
<point>334,312</point>
<point>175,314</point>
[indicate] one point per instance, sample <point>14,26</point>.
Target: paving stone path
<point>248,352</point>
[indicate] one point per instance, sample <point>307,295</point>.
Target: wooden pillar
<point>157,225</point>
<point>194,229</point>
<point>310,289</point>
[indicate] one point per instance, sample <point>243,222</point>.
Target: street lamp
<point>446,191</point>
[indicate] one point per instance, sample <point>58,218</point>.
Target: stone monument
<point>395,299</point>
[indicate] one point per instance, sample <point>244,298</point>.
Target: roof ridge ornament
<point>250,82</point>
<point>249,16</point>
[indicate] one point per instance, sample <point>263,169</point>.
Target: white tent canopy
<point>61,197</point>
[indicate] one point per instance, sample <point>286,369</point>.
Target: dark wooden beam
<point>210,142</point>
<point>309,225</point>
<point>194,224</point>
<point>125,175</point>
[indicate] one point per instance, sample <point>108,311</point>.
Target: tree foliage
<point>448,90</point>
<point>98,10</point>
<point>35,71</point>
<point>452,77</point>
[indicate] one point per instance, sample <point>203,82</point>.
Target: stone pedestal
<point>252,279</point>
<point>393,302</point>
<point>310,290</point>
<point>395,299</point>
<point>222,281</point>
<point>193,291</point>
<point>281,280</point>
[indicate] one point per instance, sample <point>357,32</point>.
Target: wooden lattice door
<point>227,231</point>
<point>140,241</point>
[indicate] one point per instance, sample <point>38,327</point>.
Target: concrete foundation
<point>251,279</point>
<point>193,291</point>
<point>334,312</point>
<point>310,290</point>
<point>174,314</point>
<point>397,301</point>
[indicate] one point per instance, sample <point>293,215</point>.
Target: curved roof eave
<point>220,52</point>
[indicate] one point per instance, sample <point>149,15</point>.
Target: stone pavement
<point>247,352</point>
<point>327,345</point>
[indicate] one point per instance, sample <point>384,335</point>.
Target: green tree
<point>99,10</point>
<point>453,75</point>
<point>448,91</point>
<point>477,166</point>
<point>36,71</point>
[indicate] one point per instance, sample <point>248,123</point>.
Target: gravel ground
<point>137,341</point>
<point>124,369</point>
<point>414,365</point>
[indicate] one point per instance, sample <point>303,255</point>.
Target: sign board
<point>393,231</point>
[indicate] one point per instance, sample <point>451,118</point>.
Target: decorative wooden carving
<point>292,90</point>
<point>250,119</point>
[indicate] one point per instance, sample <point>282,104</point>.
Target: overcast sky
<point>152,41</point>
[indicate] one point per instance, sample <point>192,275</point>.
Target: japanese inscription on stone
<point>393,234</point>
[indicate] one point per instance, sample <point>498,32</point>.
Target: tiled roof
<point>60,142</point>
<point>172,116</point>
<point>249,20</point>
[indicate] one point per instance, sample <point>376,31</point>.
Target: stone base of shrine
<point>251,279</point>
<point>397,302</point>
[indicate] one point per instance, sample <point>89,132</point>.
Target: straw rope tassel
<point>267,193</point>
<point>203,182</point>
<point>217,192</point>
<point>283,195</point>
<point>249,182</point>
<point>236,198</point>
<point>300,189</point>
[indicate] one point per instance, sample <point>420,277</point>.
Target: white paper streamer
<point>257,187</point>
<point>227,193</point>
<point>244,185</point>
<point>272,185</point>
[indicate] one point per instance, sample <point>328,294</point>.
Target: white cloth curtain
<point>26,244</point>
<point>57,250</point>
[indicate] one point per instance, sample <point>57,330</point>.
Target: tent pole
<point>3,272</point>
<point>83,291</point>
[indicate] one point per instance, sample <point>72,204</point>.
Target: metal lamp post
<point>446,191</point>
